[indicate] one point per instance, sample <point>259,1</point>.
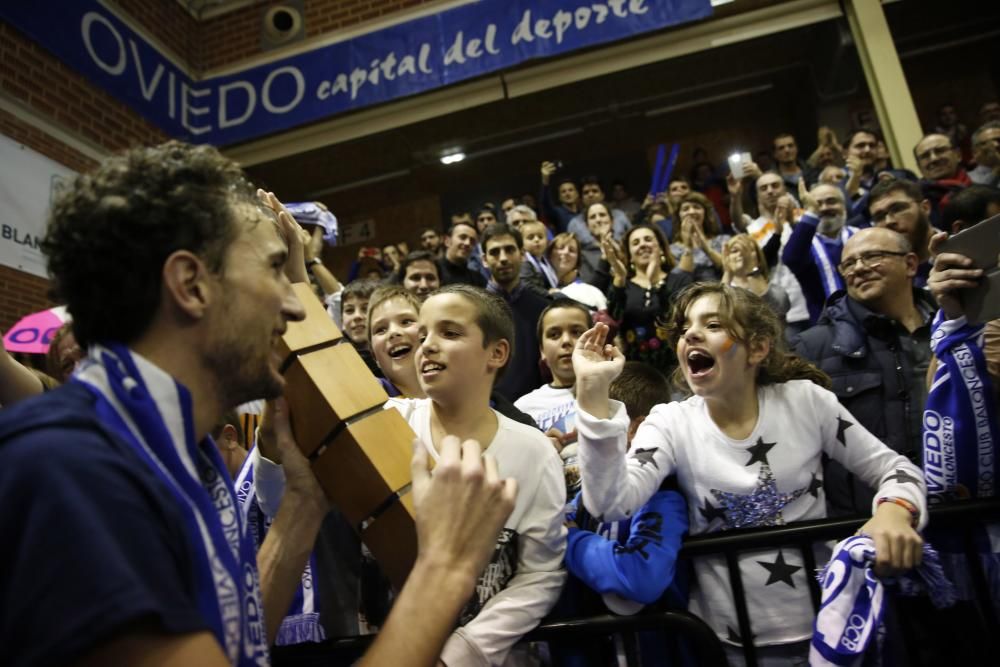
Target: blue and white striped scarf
<point>960,434</point>
<point>302,623</point>
<point>152,412</point>
<point>828,274</point>
<point>852,605</point>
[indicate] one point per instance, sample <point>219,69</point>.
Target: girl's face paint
<point>728,346</point>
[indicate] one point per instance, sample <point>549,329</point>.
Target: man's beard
<point>830,225</point>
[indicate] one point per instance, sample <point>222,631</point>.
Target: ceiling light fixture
<point>452,156</point>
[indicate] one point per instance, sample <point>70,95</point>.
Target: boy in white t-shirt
<point>467,338</point>
<point>553,405</point>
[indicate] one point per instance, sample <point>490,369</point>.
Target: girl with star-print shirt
<point>746,449</point>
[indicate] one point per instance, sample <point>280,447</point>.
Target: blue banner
<point>404,59</point>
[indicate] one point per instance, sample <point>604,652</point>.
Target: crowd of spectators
<point>738,311</point>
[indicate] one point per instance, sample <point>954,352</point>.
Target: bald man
<point>873,340</point>
<point>813,250</point>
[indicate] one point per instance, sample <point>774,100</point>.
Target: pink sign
<point>33,333</point>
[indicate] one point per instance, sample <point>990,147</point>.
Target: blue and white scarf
<point>960,426</point>
<point>152,412</point>
<point>302,623</point>
<point>829,276</point>
<point>853,601</point>
<point>960,433</point>
<point>542,265</point>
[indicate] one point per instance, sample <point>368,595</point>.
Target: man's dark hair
<point>861,130</point>
<point>887,187</point>
<point>110,233</point>
<point>501,229</point>
<point>640,387</point>
<point>493,315</point>
<point>951,141</point>
<point>970,206</point>
<point>566,179</point>
<point>430,229</point>
<point>591,180</point>
<point>415,256</point>
<point>361,288</point>
<point>463,223</point>
<point>563,302</point>
<point>485,209</point>
<point>782,135</point>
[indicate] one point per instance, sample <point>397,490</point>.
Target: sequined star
<point>903,477</point>
<point>842,425</point>
<point>759,451</point>
<point>760,508</point>
<point>645,456</point>
<point>711,512</point>
<point>779,570</point>
<point>815,485</point>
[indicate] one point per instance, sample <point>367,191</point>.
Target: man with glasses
<point>986,151</point>
<point>940,163</point>
<point>901,206</point>
<point>873,340</point>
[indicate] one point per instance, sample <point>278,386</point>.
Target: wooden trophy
<point>359,451</point>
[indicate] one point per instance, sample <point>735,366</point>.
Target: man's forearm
<point>284,554</point>
<point>327,281</point>
<point>422,617</point>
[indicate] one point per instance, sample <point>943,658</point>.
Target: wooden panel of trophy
<point>368,461</point>
<point>316,329</point>
<point>326,386</point>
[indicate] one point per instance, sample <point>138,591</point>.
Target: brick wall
<point>236,35</point>
<point>51,91</point>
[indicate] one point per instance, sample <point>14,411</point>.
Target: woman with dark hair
<point>697,243</point>
<point>643,286</point>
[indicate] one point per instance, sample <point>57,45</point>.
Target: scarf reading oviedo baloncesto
<point>302,622</point>
<point>960,434</point>
<point>152,412</point>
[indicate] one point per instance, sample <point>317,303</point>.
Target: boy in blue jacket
<point>630,563</point>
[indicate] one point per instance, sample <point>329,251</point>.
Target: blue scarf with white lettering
<point>960,448</point>
<point>301,624</point>
<point>960,426</point>
<point>152,412</point>
<point>853,600</point>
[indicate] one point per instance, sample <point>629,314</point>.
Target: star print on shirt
<point>760,508</point>
<point>644,456</point>
<point>779,570</point>
<point>902,477</point>
<point>815,484</point>
<point>759,451</point>
<point>711,512</point>
<point>842,425</point>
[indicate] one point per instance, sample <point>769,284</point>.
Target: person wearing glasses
<point>940,162</point>
<point>873,340</point>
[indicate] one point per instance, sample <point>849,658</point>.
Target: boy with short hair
<point>536,271</point>
<point>632,562</point>
<point>354,318</point>
<point>553,405</point>
<point>467,339</point>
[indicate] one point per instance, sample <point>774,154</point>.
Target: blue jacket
<point>640,563</point>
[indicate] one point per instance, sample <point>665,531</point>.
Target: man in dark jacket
<point>874,342</point>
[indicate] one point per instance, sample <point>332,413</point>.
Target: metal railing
<point>699,637</point>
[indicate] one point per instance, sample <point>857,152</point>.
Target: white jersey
<point>771,478</point>
<point>522,582</point>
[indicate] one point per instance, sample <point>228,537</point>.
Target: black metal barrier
<point>959,516</point>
